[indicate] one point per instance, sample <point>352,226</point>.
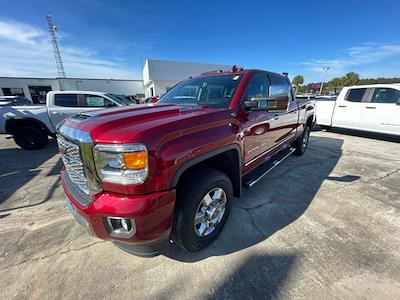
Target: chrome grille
<point>73,164</point>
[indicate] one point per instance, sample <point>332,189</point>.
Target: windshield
<point>213,91</point>
<point>119,100</point>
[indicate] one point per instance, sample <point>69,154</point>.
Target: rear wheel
<point>30,138</point>
<point>302,141</point>
<point>203,206</point>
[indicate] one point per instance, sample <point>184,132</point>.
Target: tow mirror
<point>273,103</point>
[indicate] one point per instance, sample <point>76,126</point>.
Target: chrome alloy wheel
<point>210,212</point>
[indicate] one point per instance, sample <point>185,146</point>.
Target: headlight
<point>123,164</point>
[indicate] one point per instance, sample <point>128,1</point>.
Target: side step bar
<point>251,179</point>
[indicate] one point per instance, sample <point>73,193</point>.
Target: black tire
<point>189,199</point>
<point>30,138</point>
<point>302,141</point>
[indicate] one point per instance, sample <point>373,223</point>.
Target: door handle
<point>342,105</point>
<point>276,117</point>
<point>57,113</point>
<point>370,107</point>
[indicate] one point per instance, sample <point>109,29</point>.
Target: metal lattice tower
<point>57,55</point>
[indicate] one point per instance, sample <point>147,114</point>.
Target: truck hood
<point>148,123</point>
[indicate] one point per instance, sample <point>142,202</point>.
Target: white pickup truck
<point>31,125</point>
<point>374,108</point>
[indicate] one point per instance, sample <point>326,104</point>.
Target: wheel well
<point>13,124</point>
<point>227,162</point>
<point>310,120</point>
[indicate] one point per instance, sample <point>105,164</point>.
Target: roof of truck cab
<point>240,71</point>
<point>387,85</point>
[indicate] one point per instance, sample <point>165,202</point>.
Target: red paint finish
<point>174,135</point>
<point>153,214</point>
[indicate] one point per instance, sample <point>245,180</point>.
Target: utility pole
<point>325,69</point>
<point>57,55</point>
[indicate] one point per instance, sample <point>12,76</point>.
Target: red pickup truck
<point>142,176</point>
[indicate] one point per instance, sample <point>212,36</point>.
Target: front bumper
<point>152,213</point>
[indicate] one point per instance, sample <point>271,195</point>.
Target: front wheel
<point>203,206</point>
<point>302,141</point>
<point>30,138</point>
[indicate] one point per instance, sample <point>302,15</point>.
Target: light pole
<point>325,69</point>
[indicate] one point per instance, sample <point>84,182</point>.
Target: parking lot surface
<point>322,226</point>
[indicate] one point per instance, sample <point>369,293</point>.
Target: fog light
<point>121,227</point>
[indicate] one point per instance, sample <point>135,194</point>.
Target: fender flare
<point>198,159</point>
<point>8,124</point>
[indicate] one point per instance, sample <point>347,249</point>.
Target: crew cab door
<point>264,131</point>
<point>349,107</point>
<point>62,106</point>
<point>66,105</point>
<point>381,112</point>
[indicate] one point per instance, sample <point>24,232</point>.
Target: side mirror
<point>273,103</point>
<point>398,102</point>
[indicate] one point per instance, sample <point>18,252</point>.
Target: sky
<point>112,39</point>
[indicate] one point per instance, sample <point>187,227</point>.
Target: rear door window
<point>355,95</point>
<point>385,95</point>
<point>97,101</point>
<point>66,100</point>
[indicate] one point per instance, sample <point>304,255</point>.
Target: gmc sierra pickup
<point>144,175</point>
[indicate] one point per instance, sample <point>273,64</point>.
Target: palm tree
<point>336,83</point>
<point>351,79</point>
<point>297,81</point>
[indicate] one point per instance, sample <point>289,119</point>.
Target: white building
<point>160,75</point>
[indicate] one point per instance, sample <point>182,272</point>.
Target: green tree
<point>297,81</point>
<point>335,84</point>
<point>351,79</point>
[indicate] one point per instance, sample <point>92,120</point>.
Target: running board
<point>251,179</point>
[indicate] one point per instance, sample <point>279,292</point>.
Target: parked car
<point>153,99</point>
<point>127,99</point>
<point>31,125</point>
<point>14,100</point>
<point>134,98</point>
<point>374,108</point>
<point>143,175</point>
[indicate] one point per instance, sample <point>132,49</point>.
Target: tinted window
<point>355,95</point>
<point>39,93</point>
<point>213,91</point>
<point>97,101</point>
<point>279,90</point>
<point>385,95</point>
<point>66,100</point>
<point>278,79</point>
<point>257,87</point>
<point>13,92</point>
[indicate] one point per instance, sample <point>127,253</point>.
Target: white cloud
<point>363,59</point>
<point>26,51</point>
<point>19,32</point>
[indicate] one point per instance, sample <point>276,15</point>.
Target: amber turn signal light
<point>135,160</point>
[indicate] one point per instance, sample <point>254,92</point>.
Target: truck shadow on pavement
<point>275,202</point>
<point>19,167</point>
